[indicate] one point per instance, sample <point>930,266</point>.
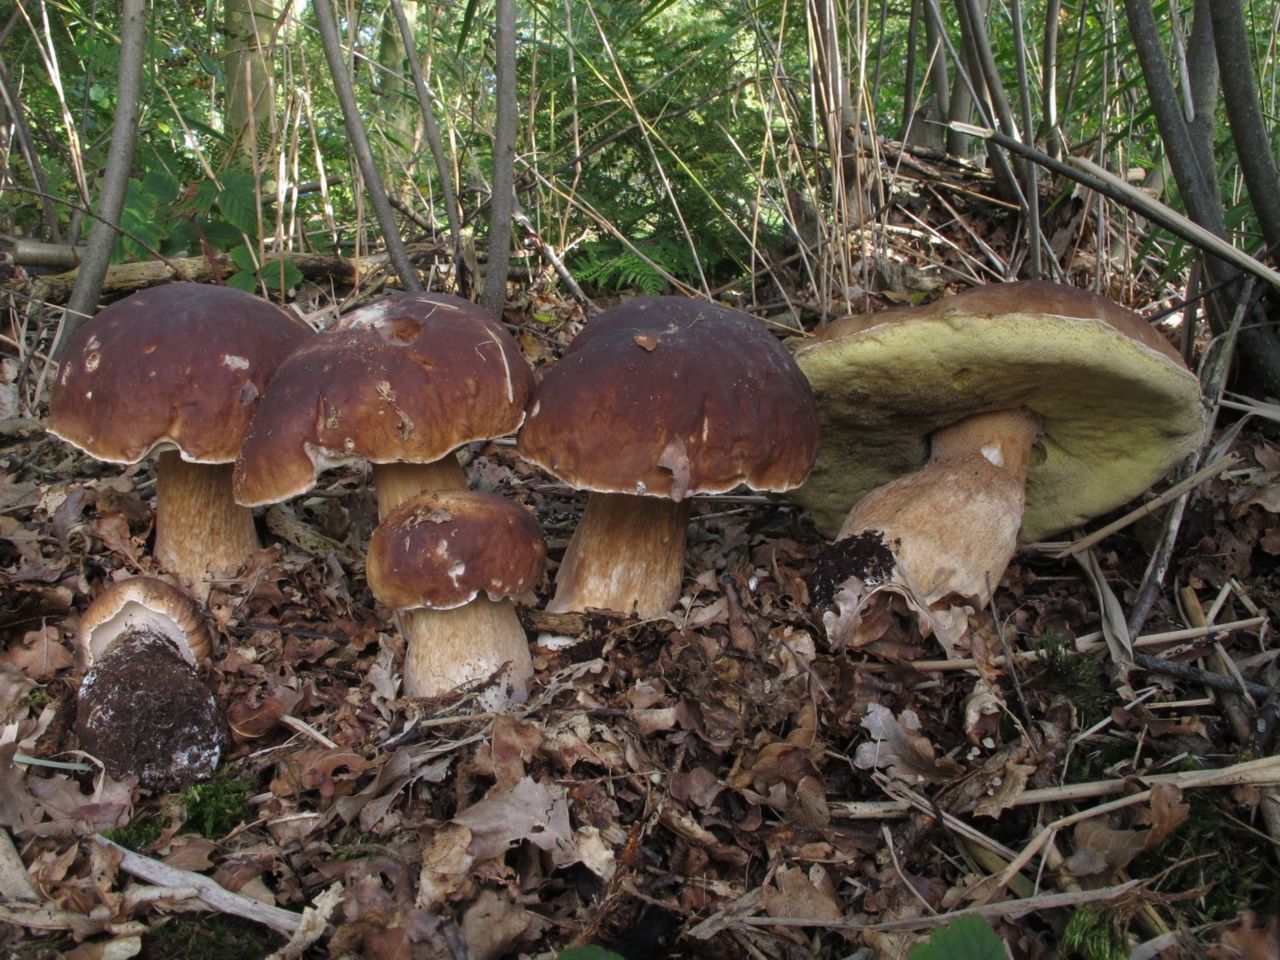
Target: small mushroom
<point>1001,415</point>
<point>142,708</point>
<point>656,400</point>
<point>402,383</point>
<point>177,369</point>
<point>449,561</point>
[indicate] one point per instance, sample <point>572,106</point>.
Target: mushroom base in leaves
<point>952,525</point>
<point>200,529</point>
<point>443,652</point>
<point>447,561</point>
<point>626,556</point>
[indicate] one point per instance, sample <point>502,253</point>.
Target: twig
<point>307,730</point>
<point>1184,671</point>
<point>211,894</point>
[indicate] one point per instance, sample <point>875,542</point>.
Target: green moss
<point>215,808</point>
<point>1093,935</point>
<point>197,937</point>
<point>137,833</point>
<point>1076,676</point>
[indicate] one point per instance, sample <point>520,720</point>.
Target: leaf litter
<point>727,780</point>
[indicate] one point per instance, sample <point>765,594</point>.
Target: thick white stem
<point>626,556</point>
<point>397,482</point>
<point>449,648</point>
<point>200,529</point>
<point>953,524</point>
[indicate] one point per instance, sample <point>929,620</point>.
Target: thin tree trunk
<point>328,28</point>
<point>1049,81</point>
<point>443,170</point>
<point>1244,113</point>
<point>1198,188</point>
<point>27,144</point>
<point>115,180</point>
<point>1202,70</point>
<point>504,148</point>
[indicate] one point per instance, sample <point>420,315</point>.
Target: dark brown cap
<point>179,365</point>
<point>143,604</point>
<point>406,379</point>
<point>439,550</point>
<point>666,397</point>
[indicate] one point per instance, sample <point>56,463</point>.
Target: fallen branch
<point>211,894</point>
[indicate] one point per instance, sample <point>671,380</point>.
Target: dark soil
<point>864,555</point>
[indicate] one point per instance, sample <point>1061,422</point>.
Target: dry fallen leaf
<point>528,811</point>
<point>897,745</point>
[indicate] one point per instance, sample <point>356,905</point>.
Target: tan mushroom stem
<point>627,555</point>
<point>447,649</point>
<point>200,529</point>
<point>397,482</point>
<point>953,524</point>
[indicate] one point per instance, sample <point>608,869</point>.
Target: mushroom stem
<point>397,482</point>
<point>626,555</point>
<point>953,524</point>
<point>199,527</point>
<point>443,652</point>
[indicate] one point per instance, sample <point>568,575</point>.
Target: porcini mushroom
<point>1004,414</point>
<point>142,708</point>
<point>656,400</point>
<point>177,369</point>
<point>402,383</point>
<point>449,561</point>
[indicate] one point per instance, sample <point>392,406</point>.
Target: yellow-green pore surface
<point>1117,414</point>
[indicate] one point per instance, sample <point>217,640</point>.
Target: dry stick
<point>1262,772</point>
<point>213,895</point>
<point>1083,644</point>
<point>549,254</point>
<point>1146,509</point>
<point>1183,671</point>
<point>1113,188</point>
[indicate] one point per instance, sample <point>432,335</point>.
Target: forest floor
<point>717,783</point>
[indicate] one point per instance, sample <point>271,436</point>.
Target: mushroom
<point>402,383</point>
<point>448,561</point>
<point>656,400</point>
<point>177,369</point>
<point>1003,414</point>
<point>142,708</point>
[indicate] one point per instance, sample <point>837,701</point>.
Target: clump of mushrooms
<point>957,430</point>
<point>179,370</point>
<point>658,399</point>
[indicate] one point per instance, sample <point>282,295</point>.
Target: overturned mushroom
<point>656,400</point>
<point>449,561</point>
<point>997,416</point>
<point>142,708</point>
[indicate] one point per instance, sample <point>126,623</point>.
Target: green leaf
<point>237,202</point>
<point>590,952</point>
<point>242,257</point>
<point>244,280</point>
<point>468,16</point>
<point>162,185</point>
<point>271,276</point>
<point>965,938</point>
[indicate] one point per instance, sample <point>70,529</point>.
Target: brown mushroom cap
<point>143,604</point>
<point>408,378</point>
<point>179,365</point>
<point>1118,407</point>
<point>666,397</point>
<point>439,550</point>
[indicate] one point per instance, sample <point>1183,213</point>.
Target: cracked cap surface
<point>439,550</point>
<point>666,397</point>
<point>406,379</point>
